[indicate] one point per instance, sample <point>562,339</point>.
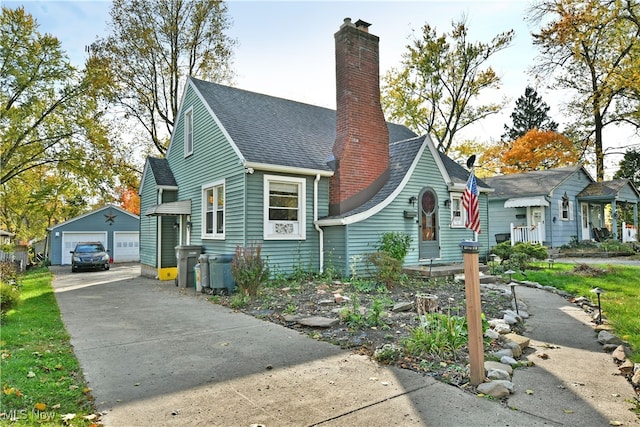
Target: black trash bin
<point>187,256</point>
<point>220,276</point>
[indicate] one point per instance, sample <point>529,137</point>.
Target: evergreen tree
<point>629,167</point>
<point>531,112</point>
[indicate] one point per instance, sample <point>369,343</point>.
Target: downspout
<point>551,221</point>
<point>315,222</point>
<point>159,232</point>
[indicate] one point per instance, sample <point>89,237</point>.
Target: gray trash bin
<point>187,256</point>
<point>220,273</point>
<point>203,260</point>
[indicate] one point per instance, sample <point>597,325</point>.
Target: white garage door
<point>70,239</point>
<point>127,246</point>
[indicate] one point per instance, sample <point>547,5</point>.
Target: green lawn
<point>42,383</point>
<point>620,303</point>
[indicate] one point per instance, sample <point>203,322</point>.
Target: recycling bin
<point>220,276</point>
<point>187,256</point>
<point>203,260</point>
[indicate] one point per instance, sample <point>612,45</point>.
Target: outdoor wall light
<point>447,203</point>
<point>413,200</point>
<point>599,291</point>
<point>176,225</point>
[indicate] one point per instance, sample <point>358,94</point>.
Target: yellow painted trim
<point>169,273</point>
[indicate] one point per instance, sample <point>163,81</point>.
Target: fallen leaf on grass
<point>86,390</point>
<point>67,417</point>
<point>73,387</point>
<point>40,406</point>
<point>56,406</point>
<point>31,374</point>
<point>90,417</point>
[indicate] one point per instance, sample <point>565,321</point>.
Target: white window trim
<point>214,235</point>
<point>460,223</point>
<point>569,208</point>
<point>302,215</point>
<point>188,124</point>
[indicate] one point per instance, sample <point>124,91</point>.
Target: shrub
<point>9,298</point>
<point>517,257</point>
<point>395,244</point>
<point>249,270</point>
<point>8,272</point>
<point>388,270</point>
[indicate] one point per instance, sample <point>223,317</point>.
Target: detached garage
<point>117,229</point>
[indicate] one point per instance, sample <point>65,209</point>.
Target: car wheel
<point>74,269</point>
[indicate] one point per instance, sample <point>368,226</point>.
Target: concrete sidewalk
<point>155,354</point>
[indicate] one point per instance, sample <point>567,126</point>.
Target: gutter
<point>287,169</point>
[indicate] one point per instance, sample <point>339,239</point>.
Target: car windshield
<point>83,249</point>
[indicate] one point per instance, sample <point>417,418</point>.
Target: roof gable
<point>104,208</point>
<point>277,131</point>
<point>607,189</point>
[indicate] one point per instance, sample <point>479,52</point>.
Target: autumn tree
<point>535,150</point>
<point>438,85</point>
<point>530,112</point>
<point>153,46</point>
<point>586,46</point>
<point>53,143</point>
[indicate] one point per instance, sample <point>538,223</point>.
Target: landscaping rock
<point>498,374</point>
<point>621,353</point>
<point>318,322</point>
<point>403,306</point>
<point>606,337</point>
<point>496,388</point>
<point>523,342</point>
<point>508,360</point>
<point>489,365</point>
<point>514,347</point>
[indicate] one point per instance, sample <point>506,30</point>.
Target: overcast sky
<point>286,48</point>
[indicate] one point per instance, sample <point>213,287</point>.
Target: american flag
<point>470,204</point>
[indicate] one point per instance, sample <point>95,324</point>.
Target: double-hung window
<point>457,212</point>
<point>284,208</point>
<point>188,132</point>
<point>213,210</point>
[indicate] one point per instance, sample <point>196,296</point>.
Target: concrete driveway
<point>155,354</point>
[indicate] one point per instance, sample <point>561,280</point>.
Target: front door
<point>536,222</point>
<point>429,232</point>
<point>584,221</point>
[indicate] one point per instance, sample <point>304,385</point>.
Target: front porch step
<point>449,270</point>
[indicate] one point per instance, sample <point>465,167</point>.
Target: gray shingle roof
<point>278,131</point>
<point>605,189</point>
<point>162,172</point>
<point>457,172</point>
<point>535,183</point>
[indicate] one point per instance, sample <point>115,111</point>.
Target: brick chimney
<point>361,149</point>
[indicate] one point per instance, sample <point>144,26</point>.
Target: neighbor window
<point>457,213</point>
<point>213,211</point>
<point>188,132</point>
<point>565,208</point>
<point>284,204</point>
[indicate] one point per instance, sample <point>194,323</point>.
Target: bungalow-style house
<point>315,187</point>
<point>555,206</point>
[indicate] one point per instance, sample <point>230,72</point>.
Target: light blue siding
<point>360,238</point>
